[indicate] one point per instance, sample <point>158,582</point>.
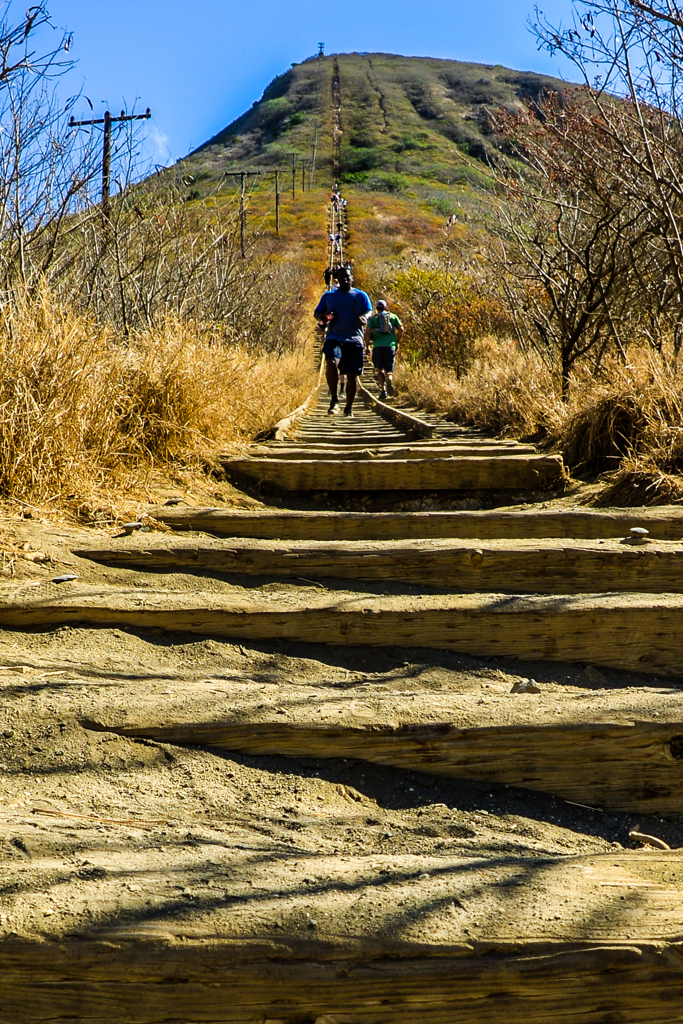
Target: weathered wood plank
<point>506,472</point>
<point>622,631</point>
<point>636,767</point>
<point>393,451</point>
<point>440,940</point>
<point>504,566</point>
<point>398,417</point>
<point>341,439</point>
<point>664,524</point>
<point>419,443</point>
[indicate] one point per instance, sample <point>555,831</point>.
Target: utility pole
<point>277,202</point>
<point>243,213</point>
<point>244,177</point>
<point>321,49</point>
<point>315,154</point>
<point>108,121</point>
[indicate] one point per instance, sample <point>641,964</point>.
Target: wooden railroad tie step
<point>392,451</point>
<point>530,566</point>
<point>373,940</point>
<point>631,765</point>
<point>634,632</point>
<point>504,472</point>
<point>340,440</point>
<point>418,444</point>
<point>399,417</point>
<point>663,524</point>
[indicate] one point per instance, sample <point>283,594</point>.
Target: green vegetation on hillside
<point>406,122</point>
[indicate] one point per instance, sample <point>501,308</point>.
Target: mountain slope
<point>415,116</point>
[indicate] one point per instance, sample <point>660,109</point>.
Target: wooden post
<point>277,202</point>
<point>106,165</point>
<point>243,213</point>
<point>303,175</point>
<point>293,155</point>
<point>315,155</point>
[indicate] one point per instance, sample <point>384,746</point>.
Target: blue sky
<point>200,63</point>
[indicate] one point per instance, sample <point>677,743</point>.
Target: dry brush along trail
<point>299,762</point>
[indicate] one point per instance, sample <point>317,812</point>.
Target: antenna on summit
<point>321,49</point>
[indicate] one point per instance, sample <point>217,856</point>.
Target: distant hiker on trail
<point>345,310</point>
<point>385,331</point>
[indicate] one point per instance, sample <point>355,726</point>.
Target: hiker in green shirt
<point>384,330</point>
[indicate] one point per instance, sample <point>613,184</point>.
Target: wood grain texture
<point>636,767</point>
<point>398,417</point>
<point>505,472</point>
<point>505,566</point>
<point>639,633</point>
<point>662,524</point>
<point>388,451</point>
<point>448,941</point>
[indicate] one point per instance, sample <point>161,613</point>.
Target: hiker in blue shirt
<point>345,311</point>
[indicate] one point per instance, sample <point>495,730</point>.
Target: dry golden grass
<point>84,417</point>
<point>626,421</point>
<point>504,391</point>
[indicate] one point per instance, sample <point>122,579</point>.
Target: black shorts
<point>351,362</point>
<point>383,358</point>
<point>332,350</point>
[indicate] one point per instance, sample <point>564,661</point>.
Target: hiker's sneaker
<point>348,411</point>
<point>334,408</point>
<point>342,389</point>
<point>390,389</point>
<point>382,394</point>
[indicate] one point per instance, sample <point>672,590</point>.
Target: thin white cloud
<point>159,141</point>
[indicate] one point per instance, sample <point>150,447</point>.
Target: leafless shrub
<point>636,48</point>
<point>580,260</point>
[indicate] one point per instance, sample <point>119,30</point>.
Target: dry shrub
<point>639,481</point>
<point>628,419</point>
<point>632,411</point>
<point>595,436</point>
<point>445,313</point>
<point>80,411</point>
<point>504,391</point>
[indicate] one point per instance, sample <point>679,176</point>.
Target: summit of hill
<point>397,118</point>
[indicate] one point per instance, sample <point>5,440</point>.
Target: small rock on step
<point>525,686</point>
<point>637,535</point>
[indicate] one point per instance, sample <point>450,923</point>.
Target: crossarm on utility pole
<point>107,121</point>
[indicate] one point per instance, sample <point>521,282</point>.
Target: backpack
<point>384,323</point>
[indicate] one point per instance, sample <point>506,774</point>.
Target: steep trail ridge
<point>294,764</point>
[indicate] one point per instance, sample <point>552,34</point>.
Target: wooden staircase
<point>295,934</point>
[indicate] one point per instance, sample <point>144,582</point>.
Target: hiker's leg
<point>332,377</point>
<point>389,370</point>
<point>332,354</point>
<point>377,363</point>
<point>350,389</point>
